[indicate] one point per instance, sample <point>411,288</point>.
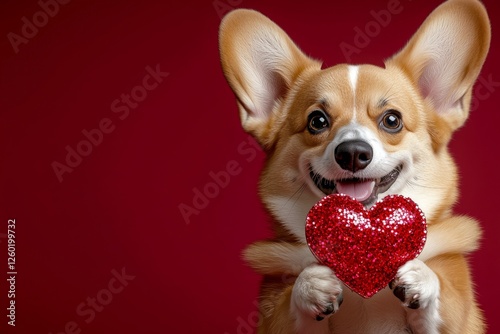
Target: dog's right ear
<point>444,59</point>
<point>260,63</point>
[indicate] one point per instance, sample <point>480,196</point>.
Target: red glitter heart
<point>365,248</point>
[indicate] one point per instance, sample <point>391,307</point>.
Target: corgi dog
<point>365,131</point>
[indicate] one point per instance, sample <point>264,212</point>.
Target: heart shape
<point>365,248</point>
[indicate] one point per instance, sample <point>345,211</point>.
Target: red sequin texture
<point>365,248</point>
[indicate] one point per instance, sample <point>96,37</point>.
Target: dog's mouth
<point>364,190</point>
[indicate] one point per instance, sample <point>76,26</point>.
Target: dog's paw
<point>317,292</point>
<point>416,285</point>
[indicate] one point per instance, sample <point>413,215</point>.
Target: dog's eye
<point>391,121</point>
<point>317,122</point>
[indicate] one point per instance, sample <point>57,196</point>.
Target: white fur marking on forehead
<point>353,80</point>
<point>353,76</point>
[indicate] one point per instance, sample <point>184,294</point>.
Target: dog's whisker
<point>297,193</point>
<point>301,191</point>
<point>415,184</point>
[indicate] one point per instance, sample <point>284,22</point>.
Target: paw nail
<point>340,299</point>
<point>400,292</point>
<point>319,318</point>
<point>392,284</point>
<point>414,304</point>
<point>329,309</point>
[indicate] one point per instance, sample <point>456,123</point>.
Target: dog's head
<point>362,130</point>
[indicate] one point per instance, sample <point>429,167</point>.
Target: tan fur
<point>277,86</point>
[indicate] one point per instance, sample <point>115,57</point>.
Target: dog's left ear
<point>445,56</point>
<point>260,63</point>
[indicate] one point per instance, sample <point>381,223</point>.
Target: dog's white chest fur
<point>382,313</point>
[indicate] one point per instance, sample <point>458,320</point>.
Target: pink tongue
<point>358,190</point>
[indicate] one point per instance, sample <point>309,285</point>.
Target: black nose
<point>353,155</point>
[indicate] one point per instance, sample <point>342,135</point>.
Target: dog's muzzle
<point>353,156</point>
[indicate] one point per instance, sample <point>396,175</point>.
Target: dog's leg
<point>438,296</point>
<point>417,286</point>
<point>316,295</point>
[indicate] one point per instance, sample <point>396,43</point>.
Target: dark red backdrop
<point>116,211</point>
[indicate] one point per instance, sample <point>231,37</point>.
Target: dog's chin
<point>365,190</point>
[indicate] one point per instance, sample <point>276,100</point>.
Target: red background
<point>120,207</point>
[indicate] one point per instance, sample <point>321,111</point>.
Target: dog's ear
<point>445,56</point>
<point>260,63</point>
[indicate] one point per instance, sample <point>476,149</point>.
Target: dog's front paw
<point>416,285</point>
<point>317,292</point>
